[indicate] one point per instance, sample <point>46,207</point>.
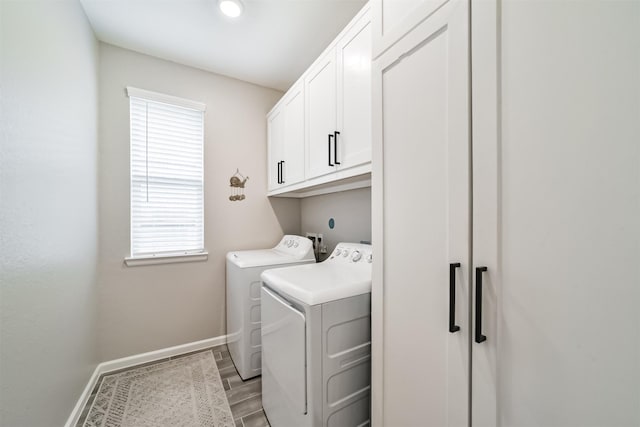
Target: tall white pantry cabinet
<point>506,213</point>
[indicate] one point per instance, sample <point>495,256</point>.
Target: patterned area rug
<point>185,392</point>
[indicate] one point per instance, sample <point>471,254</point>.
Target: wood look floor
<point>245,397</point>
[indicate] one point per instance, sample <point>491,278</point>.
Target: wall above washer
<point>351,211</point>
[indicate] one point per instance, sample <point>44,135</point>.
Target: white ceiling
<point>271,44</point>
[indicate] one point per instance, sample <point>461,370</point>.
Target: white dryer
<point>316,341</point>
<point>243,297</point>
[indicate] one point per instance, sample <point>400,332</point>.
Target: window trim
<point>165,259</point>
<point>134,92</point>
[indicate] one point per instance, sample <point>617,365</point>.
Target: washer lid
<point>264,257</point>
<point>291,249</point>
<point>319,283</point>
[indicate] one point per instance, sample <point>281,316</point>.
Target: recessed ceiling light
<point>231,8</point>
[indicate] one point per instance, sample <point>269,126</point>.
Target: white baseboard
<point>137,359</point>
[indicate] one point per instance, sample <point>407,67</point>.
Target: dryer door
<point>283,359</point>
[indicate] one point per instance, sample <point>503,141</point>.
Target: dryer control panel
<point>351,253</point>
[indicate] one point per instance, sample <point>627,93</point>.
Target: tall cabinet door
<point>400,17</point>
<point>485,288</point>
<point>421,225</point>
<point>561,294</point>
<point>320,90</point>
<point>293,139</point>
<point>353,146</point>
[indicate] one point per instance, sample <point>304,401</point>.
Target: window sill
<point>165,259</point>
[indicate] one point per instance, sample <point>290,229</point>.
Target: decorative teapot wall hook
<point>236,182</point>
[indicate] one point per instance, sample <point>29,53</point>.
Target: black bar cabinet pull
<point>329,148</point>
<point>452,298</point>
<point>280,174</point>
<point>335,147</point>
<point>479,337</point>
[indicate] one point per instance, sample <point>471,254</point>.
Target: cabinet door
<point>275,126</point>
<point>392,19</point>
<point>485,132</point>
<point>562,289</point>
<point>353,146</point>
<point>293,140</point>
<point>422,224</point>
<point>320,90</point>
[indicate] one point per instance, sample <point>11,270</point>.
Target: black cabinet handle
<point>335,147</point>
<point>452,298</point>
<point>329,148</point>
<point>479,337</point>
<point>280,172</point>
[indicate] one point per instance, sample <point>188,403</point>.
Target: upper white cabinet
<point>292,169</point>
<point>275,149</point>
<point>336,124</point>
<point>338,88</point>
<point>320,86</point>
<point>286,140</point>
<point>506,217</point>
<point>353,142</point>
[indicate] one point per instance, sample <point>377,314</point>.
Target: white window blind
<point>167,202</point>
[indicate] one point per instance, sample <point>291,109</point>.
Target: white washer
<point>316,341</point>
<point>243,297</point>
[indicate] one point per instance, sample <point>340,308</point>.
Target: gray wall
<point>351,211</point>
<point>153,307</point>
<point>48,211</point>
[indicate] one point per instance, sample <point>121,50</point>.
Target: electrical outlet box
<point>322,246</point>
<point>313,237</point>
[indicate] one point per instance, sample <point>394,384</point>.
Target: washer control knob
<point>338,251</point>
<point>345,253</point>
<point>370,258</point>
<point>355,256</point>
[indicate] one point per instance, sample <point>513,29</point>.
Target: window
<point>167,208</point>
